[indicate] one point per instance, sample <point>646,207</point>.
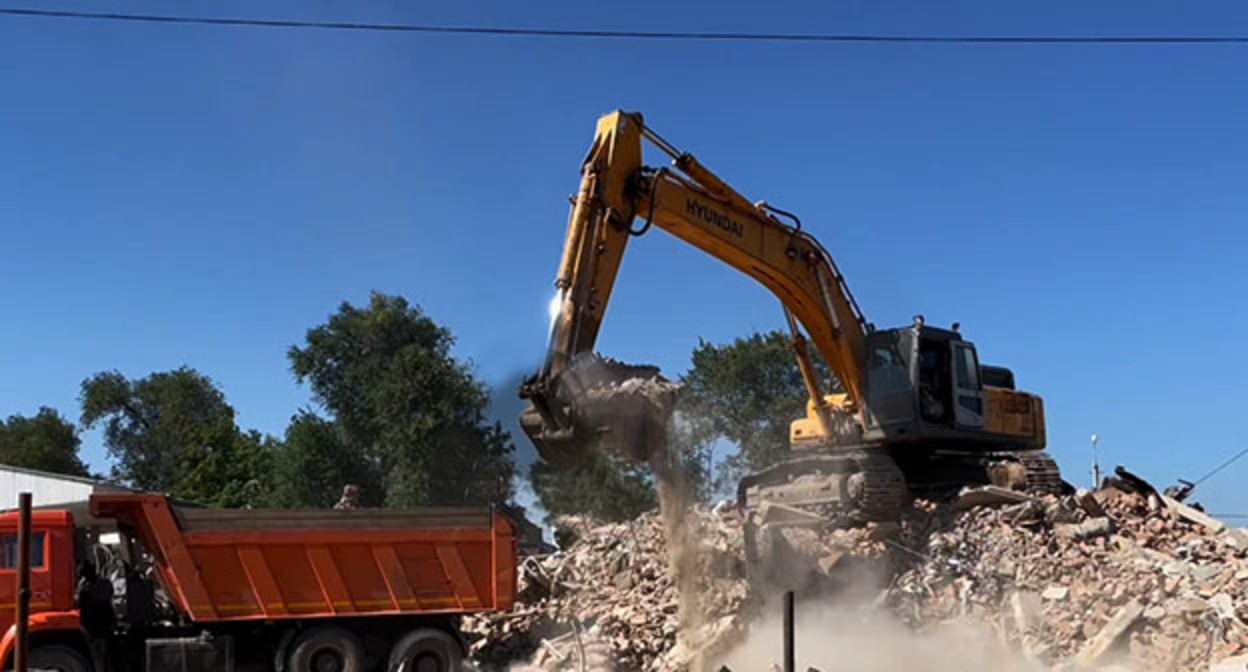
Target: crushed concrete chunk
<point>990,495</point>
<point>1104,640</point>
<point>1232,664</point>
<point>1055,593</point>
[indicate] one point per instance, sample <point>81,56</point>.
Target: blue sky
<point>177,195</point>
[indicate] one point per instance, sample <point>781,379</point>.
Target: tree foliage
<point>157,428</point>
<point>598,486</point>
<point>173,432</point>
<point>747,392</point>
<point>46,442</point>
<point>234,470</point>
<point>316,460</point>
<point>386,373</point>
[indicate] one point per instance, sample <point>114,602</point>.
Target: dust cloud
<point>862,639</point>
<point>839,630</point>
<point>680,530</point>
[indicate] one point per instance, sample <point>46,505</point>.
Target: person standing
<point>95,612</point>
<point>350,499</point>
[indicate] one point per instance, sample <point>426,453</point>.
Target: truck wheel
<point>327,648</point>
<point>59,658</point>
<point>426,650</point>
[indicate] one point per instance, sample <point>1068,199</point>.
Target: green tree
<point>156,428</point>
<point>747,392</point>
<point>611,489</point>
<point>46,442</point>
<point>316,460</point>
<point>599,486</point>
<point>386,373</point>
<point>233,470</point>
<point>174,432</point>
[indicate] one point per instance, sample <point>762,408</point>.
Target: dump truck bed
<point>229,565</point>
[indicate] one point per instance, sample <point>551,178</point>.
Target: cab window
<point>888,371</point>
<point>8,550</point>
<point>888,362</point>
<point>967,368</point>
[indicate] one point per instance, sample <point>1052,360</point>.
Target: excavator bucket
<point>597,404</point>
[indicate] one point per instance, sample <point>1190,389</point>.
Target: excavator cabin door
<point>968,389</point>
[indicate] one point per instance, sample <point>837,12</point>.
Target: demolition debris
<point>611,596</point>
<point>1121,576</point>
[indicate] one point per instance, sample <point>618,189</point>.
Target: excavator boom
<point>620,198</point>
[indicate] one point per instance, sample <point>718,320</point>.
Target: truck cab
<point>54,629</point>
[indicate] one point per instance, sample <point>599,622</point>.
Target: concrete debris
<point>1232,664</point>
<point>989,495</point>
<point>1108,636</point>
<point>1209,522</point>
<point>1055,593</point>
<point>1089,503</point>
<point>613,585</point>
<point>1121,576</point>
<point>1154,587</point>
<point>1093,527</point>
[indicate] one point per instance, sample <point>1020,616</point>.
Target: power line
<point>1220,467</point>
<point>630,34</point>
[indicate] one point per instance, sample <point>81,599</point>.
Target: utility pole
<point>1096,464</point>
<point>22,622</point>
<point>790,648</point>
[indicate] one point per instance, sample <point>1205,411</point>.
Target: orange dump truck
<point>300,591</point>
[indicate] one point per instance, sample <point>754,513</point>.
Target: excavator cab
<point>920,380</point>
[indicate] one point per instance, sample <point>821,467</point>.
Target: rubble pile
<point>1111,576</point>
<point>1087,581</point>
<point>611,595</point>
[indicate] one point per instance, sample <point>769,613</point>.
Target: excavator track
<point>884,487</point>
<point>866,485</point>
<point>846,488</point>
<point>842,489</point>
<point>1042,474</point>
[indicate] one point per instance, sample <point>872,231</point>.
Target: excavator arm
<point>620,198</point>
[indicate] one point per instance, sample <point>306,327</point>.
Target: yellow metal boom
<point>620,197</point>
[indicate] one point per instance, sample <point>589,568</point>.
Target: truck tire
<point>426,650</point>
<point>327,648</point>
<point>59,658</point>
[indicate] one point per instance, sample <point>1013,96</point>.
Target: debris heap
<point>611,595</point>
<point>1120,576</point>
<point>1112,576</point>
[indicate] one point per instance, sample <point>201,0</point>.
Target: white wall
<point>44,490</point>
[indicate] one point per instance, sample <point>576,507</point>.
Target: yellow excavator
<point>919,415</point>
